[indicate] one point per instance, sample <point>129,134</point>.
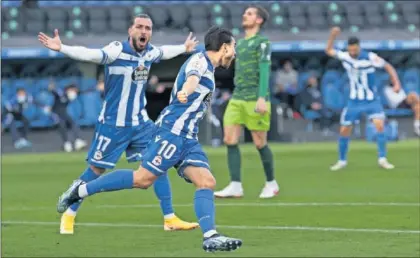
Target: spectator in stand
<point>62,99</point>
<point>403,100</point>
<point>285,87</point>
<point>15,109</point>
<point>311,99</point>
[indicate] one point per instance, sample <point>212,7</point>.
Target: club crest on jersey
<point>141,73</point>
<point>98,155</point>
<point>157,161</point>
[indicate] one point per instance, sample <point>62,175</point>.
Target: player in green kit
<point>250,106</point>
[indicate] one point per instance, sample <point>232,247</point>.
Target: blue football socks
<point>204,209</point>
<point>163,192</point>
<point>381,143</point>
<point>113,181</point>
<point>343,147</point>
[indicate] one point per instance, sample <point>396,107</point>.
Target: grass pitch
<point>361,211</point>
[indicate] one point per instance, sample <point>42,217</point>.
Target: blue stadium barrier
<point>285,46</point>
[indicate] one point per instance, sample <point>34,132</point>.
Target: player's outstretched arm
<point>188,88</point>
<point>393,76</point>
<point>74,52</point>
<point>171,51</point>
<point>329,50</point>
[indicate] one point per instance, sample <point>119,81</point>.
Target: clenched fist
<point>182,96</point>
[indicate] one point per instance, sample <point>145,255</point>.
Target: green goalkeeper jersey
<point>252,68</point>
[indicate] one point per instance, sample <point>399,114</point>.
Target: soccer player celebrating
<point>176,143</point>
<point>360,66</point>
<point>249,106</point>
<point>123,124</point>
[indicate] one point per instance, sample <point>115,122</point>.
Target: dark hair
<point>353,41</point>
<point>20,89</point>
<point>261,12</point>
<point>141,15</point>
<point>216,37</point>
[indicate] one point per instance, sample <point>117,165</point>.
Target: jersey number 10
<point>167,150</point>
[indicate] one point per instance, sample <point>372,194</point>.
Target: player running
<point>249,105</point>
<point>123,124</point>
<point>360,66</point>
<point>176,141</point>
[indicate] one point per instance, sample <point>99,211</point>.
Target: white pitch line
<point>238,204</point>
<point>241,227</point>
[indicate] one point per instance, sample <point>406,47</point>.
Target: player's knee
<point>345,131</point>
<point>229,140</point>
<point>143,179</point>
<point>379,127</point>
<point>206,182</point>
<point>260,144</point>
<point>97,170</point>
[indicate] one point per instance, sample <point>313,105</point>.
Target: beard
<point>135,44</point>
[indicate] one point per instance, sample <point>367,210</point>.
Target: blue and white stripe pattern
<point>183,118</point>
<point>361,72</point>
<point>125,99</point>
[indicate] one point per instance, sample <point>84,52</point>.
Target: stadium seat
<point>98,26</point>
<point>91,103</point>
<point>333,64</point>
<point>138,9</point>
<point>64,82</point>
<point>35,20</point>
<point>199,25</point>
<point>87,84</point>
<point>333,97</point>
<point>160,16</point>
<point>120,13</point>
<point>318,22</point>
<point>331,77</point>
<point>335,8</point>
<point>375,21</point>
<point>77,12</point>
<point>98,13</point>
<point>199,10</point>
<point>41,84</point>
<point>337,19</point>
<point>277,22</point>
<point>273,9</point>
<point>353,9</point>
<point>296,9</point>
<point>358,21</point>
<point>413,61</point>
<point>44,98</point>
<point>411,80</point>
<point>299,22</point>
<point>179,15</point>
<point>119,26</point>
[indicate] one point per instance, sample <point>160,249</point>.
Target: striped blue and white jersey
<point>126,73</point>
<point>361,73</point>
<point>183,118</point>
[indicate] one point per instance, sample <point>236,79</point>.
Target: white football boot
<point>270,190</point>
<point>79,144</point>
<point>339,165</point>
<point>383,163</point>
<point>68,147</point>
<point>233,190</point>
